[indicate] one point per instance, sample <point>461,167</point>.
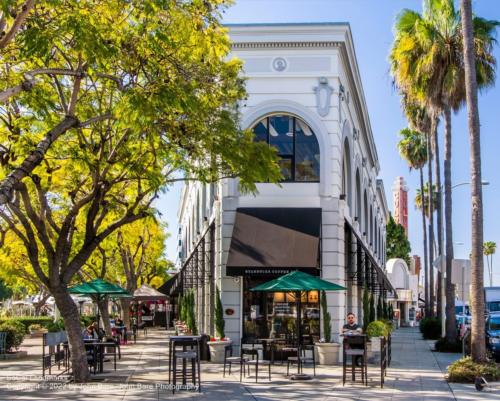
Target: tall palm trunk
<point>430,205</point>
<point>451,328</point>
<point>478,348</point>
<point>439,213</point>
<point>424,229</point>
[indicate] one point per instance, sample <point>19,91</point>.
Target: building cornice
<point>286,45</point>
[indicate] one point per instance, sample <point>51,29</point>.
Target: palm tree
<point>413,148</point>
<point>428,64</point>
<point>489,248</point>
<point>473,68</point>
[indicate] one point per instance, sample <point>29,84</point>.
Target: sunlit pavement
<point>416,373</point>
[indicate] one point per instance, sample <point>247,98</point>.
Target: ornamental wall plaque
<point>279,64</point>
<point>229,311</point>
<point>323,95</point>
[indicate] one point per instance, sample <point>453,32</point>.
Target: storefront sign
<point>229,311</point>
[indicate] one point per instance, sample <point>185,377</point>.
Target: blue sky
<point>371,23</point>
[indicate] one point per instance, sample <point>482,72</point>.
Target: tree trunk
<point>451,321</point>
<point>69,313</point>
<point>478,346</point>
<point>439,213</point>
<point>125,305</point>
<point>431,222</point>
<point>424,229</point>
<point>104,312</point>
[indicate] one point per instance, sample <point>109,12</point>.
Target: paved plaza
<point>416,373</point>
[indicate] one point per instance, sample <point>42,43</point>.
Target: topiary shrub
<point>388,325</point>
<point>219,316</point>
<point>444,346</point>
<point>327,328</point>
<point>465,371</point>
<point>15,334</point>
<point>54,327</point>
<point>430,327</point>
<point>378,328</point>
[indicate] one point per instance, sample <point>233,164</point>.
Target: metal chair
<point>355,347</point>
<point>190,352</point>
<point>229,359</point>
<point>302,358</point>
<point>255,361</point>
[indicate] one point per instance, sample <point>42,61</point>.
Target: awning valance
<point>268,241</point>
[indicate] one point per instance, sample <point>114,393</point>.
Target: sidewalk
<point>416,373</point>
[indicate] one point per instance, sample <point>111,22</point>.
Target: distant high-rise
<point>400,202</point>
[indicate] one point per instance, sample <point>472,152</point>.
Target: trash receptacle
<point>204,351</point>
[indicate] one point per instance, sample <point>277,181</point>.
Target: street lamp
<point>468,183</point>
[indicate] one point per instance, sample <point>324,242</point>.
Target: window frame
<point>266,122</point>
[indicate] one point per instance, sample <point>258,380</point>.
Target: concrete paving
<point>416,373</point>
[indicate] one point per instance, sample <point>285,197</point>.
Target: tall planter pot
<point>217,350</point>
<point>327,353</point>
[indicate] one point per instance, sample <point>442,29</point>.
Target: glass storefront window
<point>274,315</point>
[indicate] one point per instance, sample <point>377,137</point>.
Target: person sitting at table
<point>351,327</point>
<point>92,331</point>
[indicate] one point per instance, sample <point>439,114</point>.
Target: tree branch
<point>34,158</point>
<point>18,22</point>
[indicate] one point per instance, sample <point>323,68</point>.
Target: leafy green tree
<point>398,245</point>
<point>154,97</point>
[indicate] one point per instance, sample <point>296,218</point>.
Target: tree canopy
<point>102,106</point>
<point>398,245</point>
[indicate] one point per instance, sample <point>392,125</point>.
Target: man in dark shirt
<point>351,325</point>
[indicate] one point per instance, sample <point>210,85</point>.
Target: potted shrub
<point>217,345</point>
<point>375,331</point>
<point>327,351</point>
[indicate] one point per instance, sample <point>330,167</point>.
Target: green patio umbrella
<point>98,289</point>
<point>298,281</point>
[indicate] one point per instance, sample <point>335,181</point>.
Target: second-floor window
<point>297,146</point>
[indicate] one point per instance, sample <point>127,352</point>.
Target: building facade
<point>400,202</point>
<point>327,217</point>
<point>405,281</point>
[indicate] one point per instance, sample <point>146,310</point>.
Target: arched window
<point>366,218</point>
<point>297,146</point>
<point>346,175</point>
<point>358,198</point>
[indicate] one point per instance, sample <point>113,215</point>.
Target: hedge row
<point>29,320</point>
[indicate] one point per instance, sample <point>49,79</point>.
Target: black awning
<point>274,241</point>
<point>168,286</point>
<point>382,279</point>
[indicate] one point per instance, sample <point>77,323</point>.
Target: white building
<point>406,284</point>
<point>327,218</point>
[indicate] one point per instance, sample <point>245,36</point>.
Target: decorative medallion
<point>279,64</point>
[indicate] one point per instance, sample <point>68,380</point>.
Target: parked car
<point>493,335</point>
